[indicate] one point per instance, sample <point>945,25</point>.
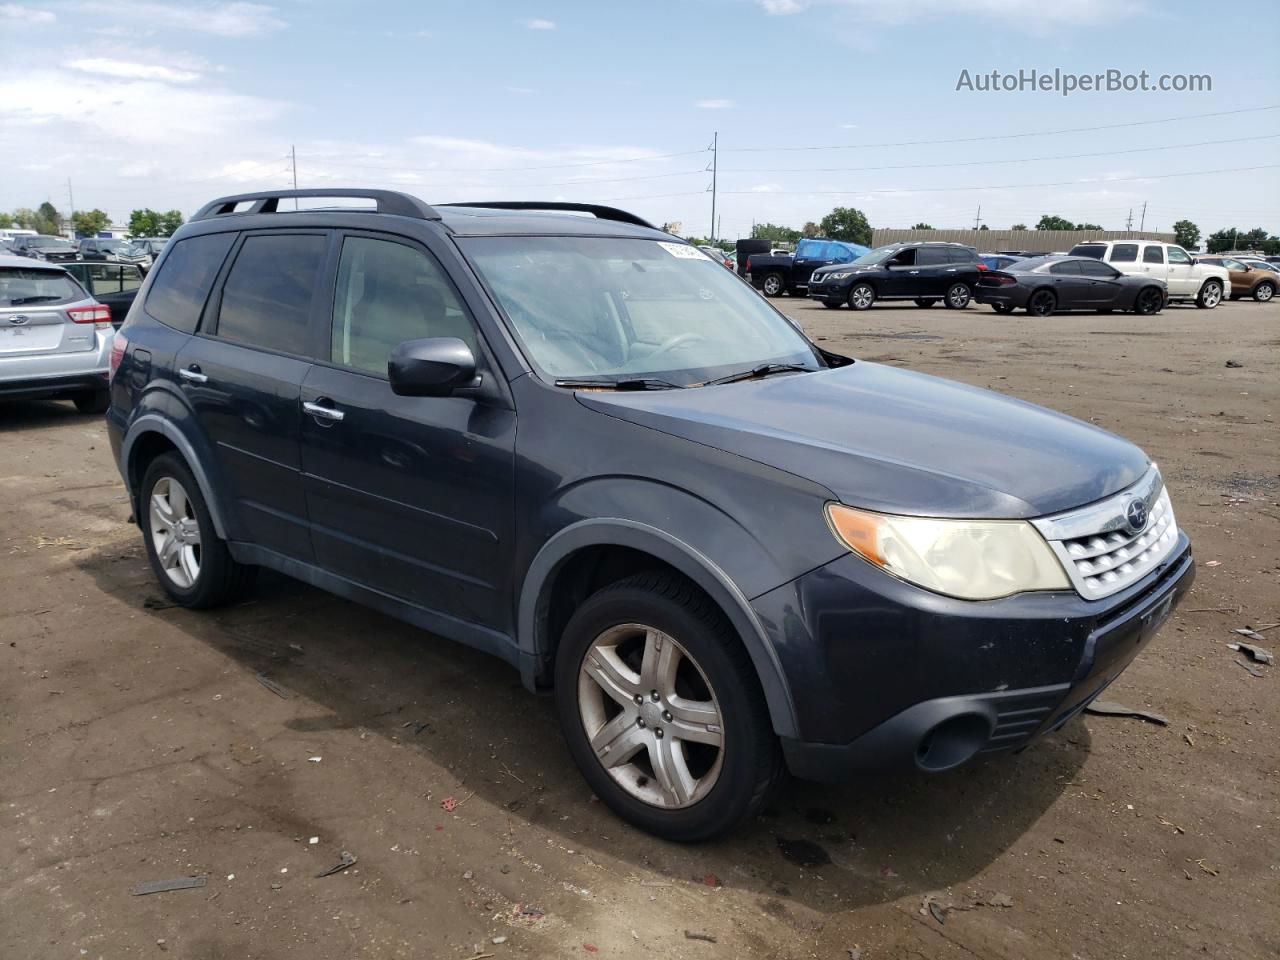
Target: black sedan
<point>1047,285</point>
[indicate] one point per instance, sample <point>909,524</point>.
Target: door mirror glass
<point>434,367</point>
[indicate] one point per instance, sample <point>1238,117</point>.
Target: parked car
<point>724,549</point>
<point>777,274</point>
<point>718,255</point>
<point>998,261</point>
<point>1186,278</point>
<point>41,247</point>
<point>54,339</point>
<point>923,271</point>
<point>1261,264</point>
<point>1047,285</point>
<point>151,246</point>
<point>1246,280</point>
<point>114,284</point>
<point>111,250</point>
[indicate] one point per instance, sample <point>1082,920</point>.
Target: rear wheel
<point>662,710</point>
<point>862,296</point>
<point>926,301</point>
<point>92,401</point>
<point>1002,308</point>
<point>832,304</point>
<point>1042,303</point>
<point>773,285</point>
<point>958,296</point>
<point>1150,300</point>
<point>1210,295</point>
<point>1264,291</point>
<point>188,557</point>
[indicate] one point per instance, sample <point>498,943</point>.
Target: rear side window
<point>1070,267</point>
<point>180,289</point>
<point>20,287</point>
<point>1153,254</point>
<point>931,256</point>
<point>266,299</point>
<point>1095,250</point>
<point>1124,253</point>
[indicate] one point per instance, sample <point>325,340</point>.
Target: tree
<point>810,229</point>
<point>847,224</point>
<point>778,234</point>
<point>1087,226</point>
<point>922,226</point>
<point>1019,226</point>
<point>984,227</point>
<point>170,221</point>
<point>25,218</point>
<point>89,222</point>
<point>48,219</point>
<point>1234,238</point>
<point>1223,240</point>
<point>1050,222</point>
<point>151,223</point>
<point>6,221</point>
<point>1186,233</point>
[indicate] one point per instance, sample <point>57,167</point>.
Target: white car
<point>1187,280</point>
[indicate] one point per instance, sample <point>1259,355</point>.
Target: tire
<point>1210,295</point>
<point>958,296</point>
<point>1264,291</point>
<point>861,296</point>
<point>207,576</point>
<point>1148,302</point>
<point>92,401</point>
<point>1043,303</point>
<point>1002,308</point>
<point>830,305</point>
<point>925,302</point>
<point>773,285</point>
<point>715,679</point>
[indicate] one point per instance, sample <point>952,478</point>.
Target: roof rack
<point>388,201</point>
<point>601,213</point>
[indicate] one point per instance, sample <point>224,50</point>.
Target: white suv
<point>1185,278</point>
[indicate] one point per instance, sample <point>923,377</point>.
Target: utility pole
<point>715,157</point>
<point>293,157</point>
<point>1142,225</point>
<point>71,199</point>
<point>978,217</point>
<point>1128,224</point>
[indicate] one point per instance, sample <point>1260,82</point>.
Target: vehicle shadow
<point>18,415</point>
<point>824,847</point>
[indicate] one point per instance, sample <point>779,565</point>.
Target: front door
<point>901,275</point>
<point>1102,285</point>
<point>243,377</point>
<point>1069,285</point>
<point>1183,281</point>
<point>409,496</point>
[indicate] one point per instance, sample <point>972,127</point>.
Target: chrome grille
<point>1100,549</point>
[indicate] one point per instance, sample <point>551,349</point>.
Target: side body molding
<point>696,566</point>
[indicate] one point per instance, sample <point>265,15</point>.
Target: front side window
<point>179,291</point>
<point>622,309</point>
<point>1124,253</point>
<point>1096,268</point>
<point>388,293</point>
<point>1178,255</point>
<point>266,300</point>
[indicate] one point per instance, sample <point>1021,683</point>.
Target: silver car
<point>55,339</point>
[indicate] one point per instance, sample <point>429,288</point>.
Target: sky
<point>813,104</point>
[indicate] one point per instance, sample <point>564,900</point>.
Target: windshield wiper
<point>764,370</point>
<point>638,383</point>
<point>41,299</point>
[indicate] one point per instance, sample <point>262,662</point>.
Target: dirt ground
<point>137,744</point>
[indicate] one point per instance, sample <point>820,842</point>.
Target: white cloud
<point>13,13</point>
<point>780,8</point>
<point>126,69</point>
<point>222,19</point>
<point>1030,16</point>
<point>521,91</point>
<point>713,104</point>
<point>540,24</point>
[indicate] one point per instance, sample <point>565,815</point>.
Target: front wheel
<point>1149,301</point>
<point>662,710</point>
<point>187,556</point>
<point>773,285</point>
<point>958,296</point>
<point>862,296</point>
<point>1210,295</point>
<point>1042,303</point>
<point>926,302</point>
<point>1264,291</point>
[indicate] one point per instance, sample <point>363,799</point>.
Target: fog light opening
<point>952,742</point>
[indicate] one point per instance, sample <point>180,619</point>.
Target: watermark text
<point>1066,83</point>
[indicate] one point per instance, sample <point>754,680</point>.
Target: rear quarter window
<point>20,287</point>
<point>178,292</point>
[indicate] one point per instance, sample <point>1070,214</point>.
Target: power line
<point>1004,136</point>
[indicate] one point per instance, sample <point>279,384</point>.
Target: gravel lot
<point>137,744</point>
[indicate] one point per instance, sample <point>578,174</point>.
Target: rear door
<point>1182,278</point>
<point>1069,285</point>
<point>933,274</point>
<point>1153,264</point>
<point>409,496</point>
<point>243,376</point>
<point>1124,257</point>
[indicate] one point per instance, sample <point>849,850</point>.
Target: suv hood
<point>896,441</point>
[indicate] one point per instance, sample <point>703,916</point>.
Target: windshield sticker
<point>683,250</point>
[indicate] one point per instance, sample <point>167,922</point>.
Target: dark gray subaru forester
<point>560,435</point>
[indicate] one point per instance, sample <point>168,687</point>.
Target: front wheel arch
<point>544,578</point>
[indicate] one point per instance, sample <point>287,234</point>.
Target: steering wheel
<point>672,342</point>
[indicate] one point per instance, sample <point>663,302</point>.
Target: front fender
<point>682,556</point>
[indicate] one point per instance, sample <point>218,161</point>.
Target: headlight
<point>839,276</point>
<point>969,559</point>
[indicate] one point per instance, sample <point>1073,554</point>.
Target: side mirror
<point>434,367</point>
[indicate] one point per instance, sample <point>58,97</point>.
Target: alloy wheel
<point>1042,303</point>
<point>650,716</point>
<point>861,297</point>
<point>175,532</point>
<point>1150,301</point>
<point>1212,295</point>
<point>958,296</point>
<point>772,286</point>
<point>1264,292</point>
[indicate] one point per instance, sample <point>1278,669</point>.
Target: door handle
<point>323,412</point>
<point>951,270</point>
<point>193,374</point>
<point>913,272</point>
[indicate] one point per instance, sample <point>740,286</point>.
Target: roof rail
<point>601,213</point>
<point>388,201</point>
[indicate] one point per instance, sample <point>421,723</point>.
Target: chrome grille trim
<point>1096,546</point>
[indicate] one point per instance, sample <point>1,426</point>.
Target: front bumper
<point>885,675</point>
<point>831,292</point>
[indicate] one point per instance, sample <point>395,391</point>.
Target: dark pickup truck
<point>778,275</point>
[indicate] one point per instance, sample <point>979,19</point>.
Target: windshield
<point>20,286</point>
<point>47,242</point>
<point>115,246</point>
<point>625,309</point>
<point>879,254</point>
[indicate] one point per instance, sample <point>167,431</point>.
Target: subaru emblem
<point>1135,516</point>
<point>19,320</point>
